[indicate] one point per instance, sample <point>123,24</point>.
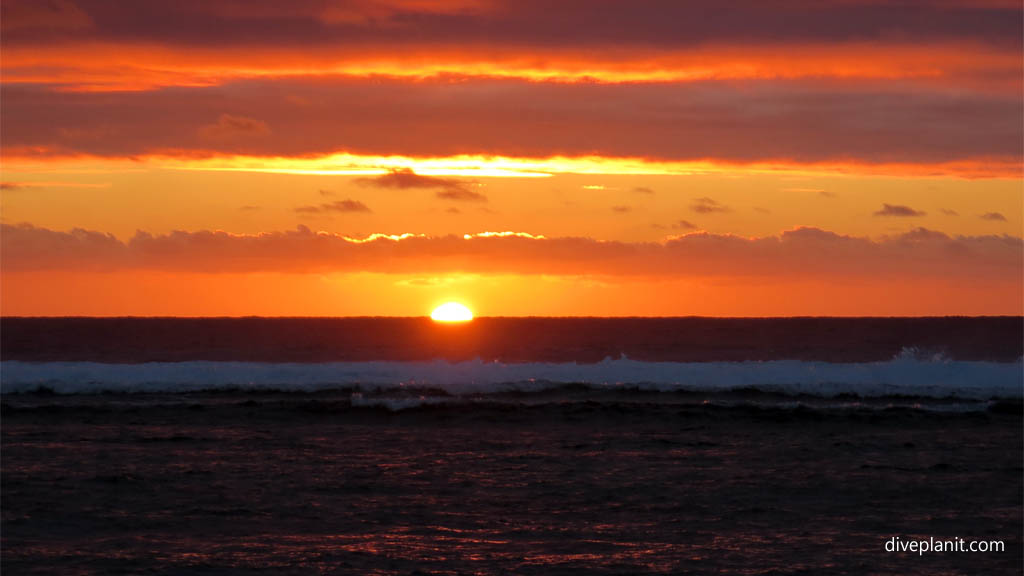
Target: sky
<point>523,157</point>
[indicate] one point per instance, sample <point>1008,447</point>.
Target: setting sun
<point>451,312</point>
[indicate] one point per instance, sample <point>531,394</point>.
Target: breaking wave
<point>908,375</point>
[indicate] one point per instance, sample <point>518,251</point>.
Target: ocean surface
<point>531,446</point>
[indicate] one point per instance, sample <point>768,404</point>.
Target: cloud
<point>342,206</point>
<point>884,125</point>
<point>799,253</point>
<point>827,194</point>
<point>326,192</point>
<point>707,205</point>
<point>453,210</point>
<point>898,210</point>
<point>229,127</point>
<point>249,208</point>
<point>996,216</point>
<point>622,209</point>
<point>948,212</point>
<point>684,225</point>
<point>461,195</point>
<point>54,16</point>
<point>643,190</point>
<point>366,24</point>
<point>762,210</point>
<point>11,185</point>
<point>406,178</point>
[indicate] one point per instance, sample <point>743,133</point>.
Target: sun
<point>451,312</point>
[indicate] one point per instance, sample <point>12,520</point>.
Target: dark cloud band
<point>745,122</point>
<point>592,23</point>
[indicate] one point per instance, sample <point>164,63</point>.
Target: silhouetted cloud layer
<point>797,253</point>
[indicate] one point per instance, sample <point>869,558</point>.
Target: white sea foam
<point>900,376</point>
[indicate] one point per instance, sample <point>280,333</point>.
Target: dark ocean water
<point>508,339</point>
<point>532,446</point>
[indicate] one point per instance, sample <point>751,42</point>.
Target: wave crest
<point>906,375</point>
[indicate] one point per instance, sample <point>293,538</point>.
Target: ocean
<point>510,445</point>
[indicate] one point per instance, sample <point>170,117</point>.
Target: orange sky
<point>842,157</point>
